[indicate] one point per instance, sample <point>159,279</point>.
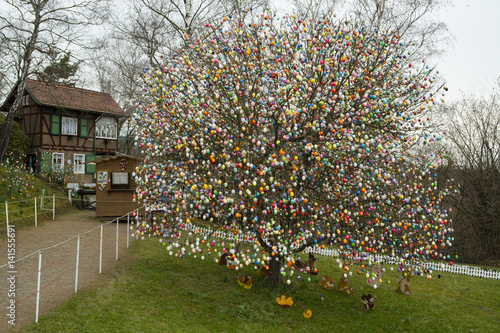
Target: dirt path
<point>58,272</point>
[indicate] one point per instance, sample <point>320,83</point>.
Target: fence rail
<point>53,266</point>
<point>435,266</point>
<point>36,204</point>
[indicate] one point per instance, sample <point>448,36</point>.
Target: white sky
<point>472,65</point>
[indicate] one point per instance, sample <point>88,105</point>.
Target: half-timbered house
<point>67,127</point>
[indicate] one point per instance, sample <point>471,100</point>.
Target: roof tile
<point>73,98</point>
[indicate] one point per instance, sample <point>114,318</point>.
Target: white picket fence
<point>435,266</point>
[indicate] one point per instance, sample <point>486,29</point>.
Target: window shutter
<point>55,124</point>
<point>90,168</point>
<point>45,162</point>
<point>84,128</point>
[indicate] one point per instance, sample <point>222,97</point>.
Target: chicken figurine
<point>245,282</point>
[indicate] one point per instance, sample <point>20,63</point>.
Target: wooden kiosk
<point>115,185</point>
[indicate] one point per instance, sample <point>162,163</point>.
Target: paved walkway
<point>58,263</point>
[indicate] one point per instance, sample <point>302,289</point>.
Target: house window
<point>84,128</point>
<point>57,162</point>
<point>121,180</point>
<point>106,128</point>
<point>79,166</point>
<point>55,124</point>
<point>69,125</point>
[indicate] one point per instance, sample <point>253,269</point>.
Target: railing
<point>55,266</point>
<point>34,207</point>
<point>328,252</point>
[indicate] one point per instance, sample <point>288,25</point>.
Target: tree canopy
<point>18,144</point>
<point>290,134</point>
<point>32,29</point>
<point>60,70</point>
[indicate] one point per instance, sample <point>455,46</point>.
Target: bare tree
<point>474,142</point>
<point>138,35</point>
<point>118,66</point>
<point>143,29</point>
<point>184,16</point>
<point>314,9</point>
<point>31,29</point>
<point>411,19</point>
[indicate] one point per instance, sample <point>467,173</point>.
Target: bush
<point>19,142</point>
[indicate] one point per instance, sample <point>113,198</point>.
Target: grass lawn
<point>151,291</point>
<point>19,188</point>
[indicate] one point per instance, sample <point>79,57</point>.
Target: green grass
<point>18,188</point>
<point>154,292</point>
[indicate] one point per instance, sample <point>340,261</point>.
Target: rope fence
<point>77,252</point>
<point>102,242</point>
<point>28,208</point>
<point>32,208</point>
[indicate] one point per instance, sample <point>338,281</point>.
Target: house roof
<point>54,95</point>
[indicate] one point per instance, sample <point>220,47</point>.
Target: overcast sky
<point>472,65</point>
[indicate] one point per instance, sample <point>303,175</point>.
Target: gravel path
<point>58,263</point>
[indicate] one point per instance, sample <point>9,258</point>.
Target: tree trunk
<point>188,5</point>
<point>274,277</point>
<point>5,136</point>
<point>23,75</point>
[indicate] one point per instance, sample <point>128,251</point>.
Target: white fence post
<point>100,253</point>
<point>53,206</point>
<point>77,263</point>
<point>38,285</point>
<point>117,224</point>
<point>69,197</point>
<point>128,228</point>
<point>36,217</point>
<point>7,217</point>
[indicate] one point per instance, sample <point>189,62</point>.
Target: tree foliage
<point>60,70</point>
<point>289,135</point>
<point>19,142</point>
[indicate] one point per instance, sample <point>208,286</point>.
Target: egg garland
<point>285,136</point>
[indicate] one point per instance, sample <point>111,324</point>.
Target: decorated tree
<point>289,135</point>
